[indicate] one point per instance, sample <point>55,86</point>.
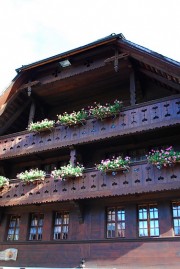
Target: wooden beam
<point>29,84</point>
<point>32,112</point>
<point>132,89</point>
<point>150,59</point>
<point>161,79</point>
<point>14,117</point>
<point>119,56</point>
<point>72,156</point>
<point>116,59</point>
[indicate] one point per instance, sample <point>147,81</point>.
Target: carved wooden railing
<point>140,178</point>
<point>140,118</point>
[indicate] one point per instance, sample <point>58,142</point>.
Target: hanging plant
<point>68,171</point>
<point>32,175</point>
<point>101,112</point>
<point>164,157</point>
<point>114,164</point>
<point>73,118</point>
<point>41,126</point>
<point>4,181</point>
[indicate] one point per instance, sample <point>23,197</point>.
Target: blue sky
<point>32,30</point>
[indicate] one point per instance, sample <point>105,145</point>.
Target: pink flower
<point>169,148</point>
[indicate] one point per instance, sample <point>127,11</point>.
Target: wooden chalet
<point>122,219</point>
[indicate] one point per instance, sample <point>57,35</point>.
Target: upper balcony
<point>141,178</point>
<point>135,119</point>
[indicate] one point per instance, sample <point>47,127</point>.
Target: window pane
<point>142,213</point>
<point>16,237</point>
<point>111,230</point>
<point>148,220</point>
<point>35,232</point>
<point>12,223</point>
<point>121,229</point>
<point>13,230</point>
<point>120,215</point>
<point>61,222</point>
<point>176,217</point>
<point>115,222</point>
<point>10,237</point>
<point>143,232</point>
<point>177,230</point>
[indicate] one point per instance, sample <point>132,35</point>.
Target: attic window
<point>65,63</point>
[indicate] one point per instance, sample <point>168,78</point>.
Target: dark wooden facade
<point>105,70</point>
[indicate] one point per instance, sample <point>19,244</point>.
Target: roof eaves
<point>151,52</point>
<point>71,52</point>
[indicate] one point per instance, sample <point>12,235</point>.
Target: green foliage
<point>41,125</point>
<point>68,171</point>
<point>74,118</point>
<point>31,175</point>
<point>3,181</point>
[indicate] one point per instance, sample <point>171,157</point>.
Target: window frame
<point>148,219</point>
<point>17,216</point>
<point>175,218</point>
<point>39,214</point>
<point>61,225</point>
<point>116,222</point>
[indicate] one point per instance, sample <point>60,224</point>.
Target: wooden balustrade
<point>142,177</point>
<point>140,118</point>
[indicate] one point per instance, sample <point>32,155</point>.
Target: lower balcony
<point>141,178</point>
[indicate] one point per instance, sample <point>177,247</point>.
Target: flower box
<point>109,110</point>
<point>41,126</point>
<point>115,164</point>
<point>32,175</point>
<point>68,171</point>
<point>164,157</point>
<point>75,118</point>
<point>117,169</point>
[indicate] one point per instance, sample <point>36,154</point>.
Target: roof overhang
<point>100,42</point>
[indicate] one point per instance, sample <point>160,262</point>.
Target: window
<point>61,223</point>
<point>115,222</point>
<point>36,226</point>
<point>176,217</point>
<point>148,220</point>
<point>13,228</point>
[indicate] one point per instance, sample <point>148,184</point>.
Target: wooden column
<point>32,112</point>
<point>72,156</point>
<point>132,89</point>
<point>116,61</point>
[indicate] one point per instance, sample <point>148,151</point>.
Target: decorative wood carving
<point>161,79</point>
<point>29,85</point>
<point>117,56</point>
